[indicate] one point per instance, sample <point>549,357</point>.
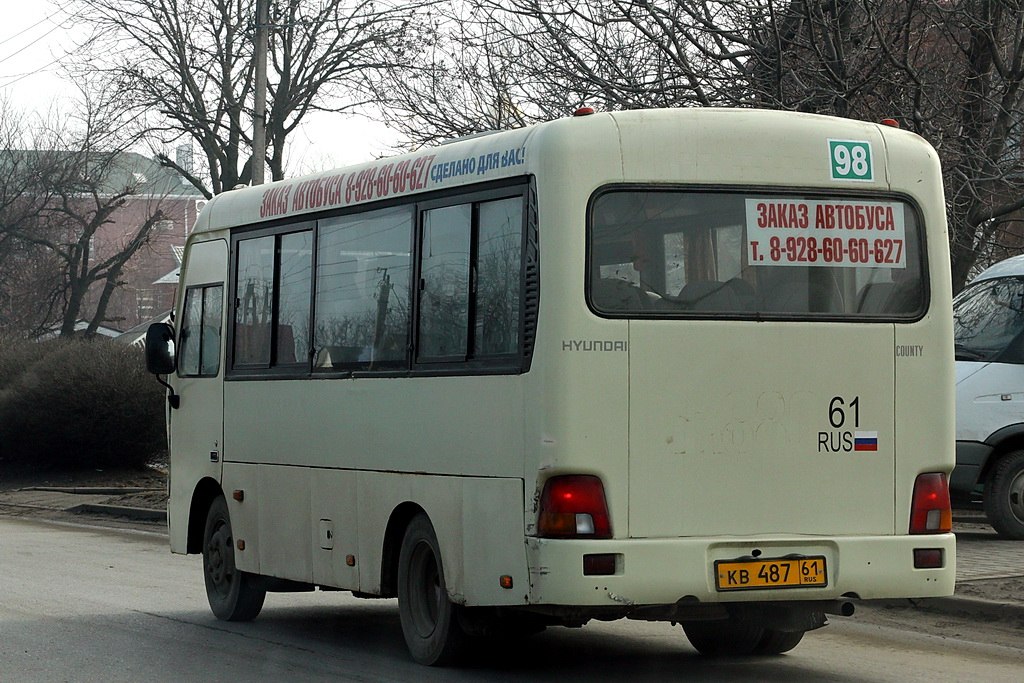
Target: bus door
<point>196,426</point>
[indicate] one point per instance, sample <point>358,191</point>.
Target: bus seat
<point>890,297</point>
<point>709,295</point>
<point>801,295</point>
<point>872,297</point>
<point>613,294</point>
<point>744,292</point>
<point>906,297</point>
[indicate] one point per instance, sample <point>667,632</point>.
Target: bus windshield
<point>669,252</point>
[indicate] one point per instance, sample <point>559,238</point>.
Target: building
<point>148,280</point>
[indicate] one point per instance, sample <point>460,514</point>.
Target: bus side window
<point>200,331</point>
<point>362,293</point>
<point>499,267</point>
<point>444,288</point>
<point>471,277</point>
<point>253,309</point>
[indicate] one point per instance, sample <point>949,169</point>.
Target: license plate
<point>778,573</point>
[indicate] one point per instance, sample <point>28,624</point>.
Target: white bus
<point>680,365</point>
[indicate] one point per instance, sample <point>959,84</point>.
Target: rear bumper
<point>666,571</point>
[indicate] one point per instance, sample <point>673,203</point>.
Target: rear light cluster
<point>574,506</point>
<point>930,511</point>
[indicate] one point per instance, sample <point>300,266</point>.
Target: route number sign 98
<point>850,160</point>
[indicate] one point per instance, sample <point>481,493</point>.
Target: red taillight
<point>930,511</point>
<point>573,506</point>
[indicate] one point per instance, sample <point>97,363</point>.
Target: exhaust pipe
<point>843,608</point>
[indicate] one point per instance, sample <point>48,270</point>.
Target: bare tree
<point>950,70</point>
<point>61,184</point>
<point>467,78</point>
<point>188,66</point>
<point>23,268</point>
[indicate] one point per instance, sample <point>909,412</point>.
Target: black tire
<point>430,622</point>
<point>775,642</point>
<point>232,593</point>
<point>1004,496</point>
<point>725,637</point>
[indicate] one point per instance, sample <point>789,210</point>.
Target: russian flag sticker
<point>865,441</point>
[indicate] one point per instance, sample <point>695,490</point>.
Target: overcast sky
<point>36,34</point>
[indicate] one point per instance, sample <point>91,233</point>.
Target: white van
<point>988,323</point>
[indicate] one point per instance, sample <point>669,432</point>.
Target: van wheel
<point>726,637</point>
<point>430,622</point>
<point>232,594</point>
<point>1004,496</point>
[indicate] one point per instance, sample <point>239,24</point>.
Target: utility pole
<point>259,132</point>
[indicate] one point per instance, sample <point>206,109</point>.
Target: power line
<point>14,78</point>
<point>23,76</point>
<point>26,30</point>
<point>18,52</point>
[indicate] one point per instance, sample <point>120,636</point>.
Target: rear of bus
<point>748,405</point>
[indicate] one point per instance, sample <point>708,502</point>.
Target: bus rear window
<point>663,253</point>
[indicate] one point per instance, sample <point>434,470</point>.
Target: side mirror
<point>160,349</point>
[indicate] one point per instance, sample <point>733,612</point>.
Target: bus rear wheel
<point>430,622</point>
<point>232,594</point>
<point>725,637</point>
<point>775,642</point>
<point>1004,496</point>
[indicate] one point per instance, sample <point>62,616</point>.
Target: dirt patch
<point>155,499</point>
<point>152,479</point>
<point>1009,589</point>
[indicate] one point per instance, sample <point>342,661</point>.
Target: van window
<point>988,320</point>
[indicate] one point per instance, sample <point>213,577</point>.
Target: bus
<point>688,365</point>
<point>988,337</point>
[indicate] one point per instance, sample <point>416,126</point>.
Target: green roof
<point>127,169</point>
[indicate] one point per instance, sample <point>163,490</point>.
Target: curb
<point>90,490</point>
<point>975,608</point>
<point>139,514</point>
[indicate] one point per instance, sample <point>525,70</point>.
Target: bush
<point>78,404</point>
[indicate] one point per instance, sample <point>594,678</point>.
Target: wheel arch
<point>393,534</point>
<point>206,491</point>
<point>1005,440</point>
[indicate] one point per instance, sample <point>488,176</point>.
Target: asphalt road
<point>86,604</point>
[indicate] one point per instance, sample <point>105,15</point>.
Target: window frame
<point>278,231</point>
<point>348,369</point>
<point>469,361</point>
<point>517,362</point>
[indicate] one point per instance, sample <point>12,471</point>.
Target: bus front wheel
<point>1004,496</point>
<point>430,622</point>
<point>232,594</point>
